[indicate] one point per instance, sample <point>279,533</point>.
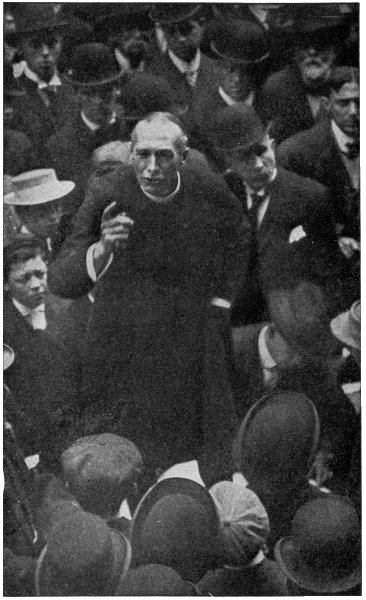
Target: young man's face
<point>345,108</point>
<point>236,81</point>
<point>27,282</point>
<point>155,157</point>
<point>42,220</point>
<point>255,165</point>
<point>41,52</point>
<point>98,103</point>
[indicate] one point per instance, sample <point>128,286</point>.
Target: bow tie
<point>352,150</point>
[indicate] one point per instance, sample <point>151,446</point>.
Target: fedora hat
<point>99,470</point>
<point>176,524</point>
<point>347,326</point>
<point>323,552</point>
<point>276,442</point>
<point>37,187</point>
<point>166,13</point>
<point>238,41</point>
<point>301,317</point>
<point>82,557</point>
<point>35,17</point>
<point>93,64</point>
<point>8,356</point>
<point>237,125</point>
<point>154,580</point>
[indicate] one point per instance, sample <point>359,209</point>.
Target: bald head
<point>161,122</point>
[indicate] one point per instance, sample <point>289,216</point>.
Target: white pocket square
<point>296,234</point>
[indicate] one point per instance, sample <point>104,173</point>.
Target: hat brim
<point>40,194</point>
<point>8,356</point>
<point>170,487</point>
<point>238,61</point>
<point>45,581</point>
<point>325,581</point>
<point>20,33</point>
<point>83,84</point>
<point>174,19</point>
<point>340,328</point>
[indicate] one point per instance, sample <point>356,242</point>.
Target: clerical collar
<point>93,126</point>
<point>342,139</point>
<point>263,191</point>
<point>229,101</point>
<point>163,199</point>
<point>184,67</point>
<point>55,80</point>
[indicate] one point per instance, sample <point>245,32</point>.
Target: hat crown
<point>238,125</point>
<point>239,41</point>
<point>32,179</point>
<point>93,64</point>
<point>37,187</point>
<point>36,16</point>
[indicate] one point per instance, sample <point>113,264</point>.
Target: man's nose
<point>35,282</point>
<point>45,50</point>
<point>258,164</point>
<point>152,164</point>
<point>311,51</point>
<point>353,108</point>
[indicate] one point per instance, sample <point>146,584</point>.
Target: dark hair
<point>23,248</point>
<point>341,75</point>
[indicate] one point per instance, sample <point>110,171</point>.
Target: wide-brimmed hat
<point>82,557</point>
<point>323,552</point>
<point>347,326</point>
<point>35,17</point>
<point>99,469</point>
<point>37,187</point>
<point>155,580</point>
<point>238,41</point>
<point>8,356</point>
<point>301,317</point>
<point>93,65</point>
<point>166,13</point>
<point>276,442</point>
<point>176,524</point>
<point>244,524</point>
<point>237,126</point>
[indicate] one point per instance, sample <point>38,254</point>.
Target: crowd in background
<point>182,311</point>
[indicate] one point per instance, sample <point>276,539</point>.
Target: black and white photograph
<point>181,299</point>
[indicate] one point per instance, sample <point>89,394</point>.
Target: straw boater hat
<point>37,187</point>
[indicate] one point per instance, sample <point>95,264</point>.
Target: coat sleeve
<point>68,276</point>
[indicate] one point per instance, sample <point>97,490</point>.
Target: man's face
<point>184,39</point>
<point>27,282</point>
<point>98,103</point>
<point>314,61</point>
<point>42,220</point>
<point>256,164</point>
<point>41,52</point>
<point>155,157</point>
<point>345,108</point>
<point>236,81</point>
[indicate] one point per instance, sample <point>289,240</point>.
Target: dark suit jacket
<point>294,201</point>
<point>37,120</point>
<point>44,378</point>
<point>315,153</point>
<point>284,104</point>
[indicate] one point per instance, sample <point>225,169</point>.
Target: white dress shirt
<point>36,317</point>
<point>54,82</point>
<point>268,363</point>
<point>262,209</point>
<point>190,70</point>
<point>352,164</point>
<point>229,101</point>
<point>94,126</point>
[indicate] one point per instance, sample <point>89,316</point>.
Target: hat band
<point>238,61</point>
<point>36,181</point>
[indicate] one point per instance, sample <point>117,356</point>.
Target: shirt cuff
<point>90,264</point>
<point>221,302</point>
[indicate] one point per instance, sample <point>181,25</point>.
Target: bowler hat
<point>301,317</point>
<point>99,469</point>
<point>143,94</point>
<point>121,17</point>
<point>8,356</point>
<point>237,125</point>
<point>347,326</point>
<point>176,524</point>
<point>318,21</point>
<point>276,443</point>
<point>244,524</point>
<point>238,41</point>
<point>93,65</point>
<point>154,580</point>
<point>82,557</point>
<point>323,552</point>
<point>166,13</point>
<point>35,17</point>
<point>37,187</point>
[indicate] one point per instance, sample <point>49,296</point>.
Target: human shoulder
<point>297,183</point>
<point>313,139</point>
<point>281,81</point>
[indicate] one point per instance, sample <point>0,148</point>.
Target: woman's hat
<point>93,65</point>
<point>176,524</point>
<point>347,326</point>
<point>323,552</point>
<point>239,42</point>
<point>37,187</point>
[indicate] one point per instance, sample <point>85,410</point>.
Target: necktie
<point>352,150</point>
<point>253,211</point>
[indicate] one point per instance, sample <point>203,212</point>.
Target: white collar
<point>265,356</point>
<point>184,67</point>
<point>25,311</point>
<point>229,101</point>
<point>341,138</point>
<point>261,192</point>
<point>260,13</point>
<point>163,199</point>
<point>55,80</point>
<point>93,126</point>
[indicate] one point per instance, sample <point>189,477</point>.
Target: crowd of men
<point>181,299</point>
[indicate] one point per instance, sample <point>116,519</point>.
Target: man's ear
<point>184,155</point>
<point>6,286</point>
